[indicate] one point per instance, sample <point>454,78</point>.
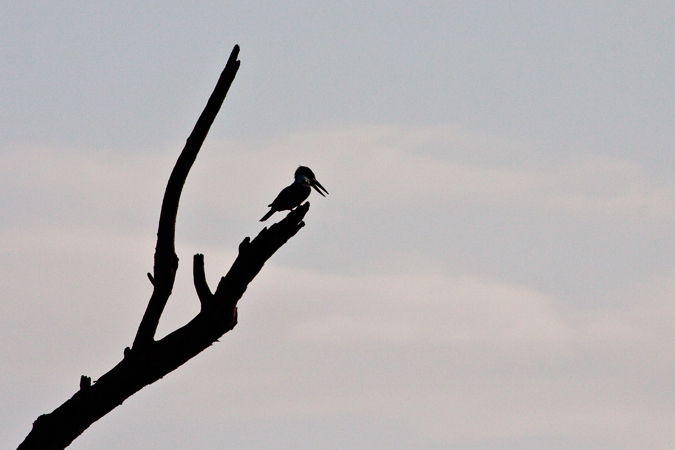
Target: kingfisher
<point>296,193</point>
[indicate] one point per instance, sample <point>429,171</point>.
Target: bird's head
<point>306,172</point>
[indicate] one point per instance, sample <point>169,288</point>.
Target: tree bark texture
<point>149,360</point>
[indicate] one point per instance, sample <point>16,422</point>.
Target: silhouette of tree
<point>148,360</point>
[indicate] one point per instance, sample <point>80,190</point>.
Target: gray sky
<point>493,269</point>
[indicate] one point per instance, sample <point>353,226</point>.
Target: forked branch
<point>166,261</point>
<point>149,360</point>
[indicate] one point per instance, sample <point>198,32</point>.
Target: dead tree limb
<point>149,360</point>
<point>166,261</point>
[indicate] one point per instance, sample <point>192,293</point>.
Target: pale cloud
<point>368,168</point>
<point>460,360</point>
<point>459,357</point>
<point>433,308</point>
<point>384,166</point>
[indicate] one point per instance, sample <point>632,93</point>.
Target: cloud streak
<point>444,352</point>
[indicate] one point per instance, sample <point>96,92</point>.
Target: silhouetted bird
<point>293,195</point>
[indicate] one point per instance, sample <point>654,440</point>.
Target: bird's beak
<point>317,186</point>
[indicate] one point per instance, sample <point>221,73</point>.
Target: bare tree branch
<point>166,261</point>
<point>150,360</point>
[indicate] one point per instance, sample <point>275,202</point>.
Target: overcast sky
<point>494,267</point>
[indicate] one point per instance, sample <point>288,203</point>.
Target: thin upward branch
<point>166,261</point>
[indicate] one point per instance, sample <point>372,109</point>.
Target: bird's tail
<point>268,215</point>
